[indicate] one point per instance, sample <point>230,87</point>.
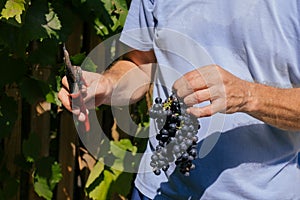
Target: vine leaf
<point>13,9</point>
<point>34,20</point>
<point>47,175</point>
<point>105,181</point>
<point>56,175</point>
<point>89,65</point>
<point>95,173</point>
<point>53,23</point>
<point>41,188</point>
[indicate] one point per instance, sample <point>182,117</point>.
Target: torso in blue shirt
<point>256,40</point>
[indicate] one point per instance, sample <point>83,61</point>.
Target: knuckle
<point>198,97</point>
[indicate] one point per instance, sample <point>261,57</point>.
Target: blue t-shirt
<point>256,40</point>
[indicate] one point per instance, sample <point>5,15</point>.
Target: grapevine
<point>177,136</point>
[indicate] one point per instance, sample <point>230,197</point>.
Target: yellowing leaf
<point>53,23</point>
<point>95,173</point>
<point>13,9</point>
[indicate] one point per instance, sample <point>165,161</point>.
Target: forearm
<point>129,82</point>
<point>275,106</point>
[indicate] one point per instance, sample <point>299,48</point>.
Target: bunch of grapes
<point>177,137</point>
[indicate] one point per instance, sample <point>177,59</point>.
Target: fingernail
<point>188,111</point>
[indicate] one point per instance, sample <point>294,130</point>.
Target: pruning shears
<point>75,81</point>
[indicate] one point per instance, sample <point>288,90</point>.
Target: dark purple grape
<point>183,146</point>
<point>165,168</point>
<point>164,132</point>
<point>187,174</point>
<point>157,172</point>
<point>185,156</point>
<point>176,149</point>
<point>153,164</point>
<point>157,107</point>
<point>177,136</point>
<point>158,100</point>
<point>193,152</point>
<point>188,142</point>
<point>154,157</point>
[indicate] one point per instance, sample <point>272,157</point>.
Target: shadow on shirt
<point>259,143</point>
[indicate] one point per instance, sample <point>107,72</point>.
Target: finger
<point>75,95</point>
<point>216,106</point>
<point>81,117</point>
<point>65,83</point>
<point>198,112</point>
<point>83,91</point>
<point>75,110</point>
<point>182,88</point>
<point>197,97</point>
<point>64,97</point>
<point>190,82</point>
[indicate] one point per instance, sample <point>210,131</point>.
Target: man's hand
<point>95,92</point>
<point>127,80</point>
<point>226,92</point>
<point>279,107</point>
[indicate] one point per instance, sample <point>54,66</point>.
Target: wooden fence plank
<point>12,144</point>
<point>68,143</point>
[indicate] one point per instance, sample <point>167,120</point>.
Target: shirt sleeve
<point>139,26</point>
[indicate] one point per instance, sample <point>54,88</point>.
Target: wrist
<point>104,90</point>
<point>251,98</point>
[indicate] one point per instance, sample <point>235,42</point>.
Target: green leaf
<point>53,24</point>
<point>52,97</point>
<point>42,188</point>
<point>31,148</point>
<point>13,9</point>
<point>101,29</point>
<point>95,173</point>
<point>89,65</point>
<point>56,175</point>
<point>121,5</point>
<point>67,19</point>
<point>100,10</point>
<point>124,179</point>
<point>47,175</point>
<point>123,145</point>
<point>101,191</point>
<point>108,4</point>
<point>35,19</point>
<point>121,150</point>
<point>116,23</point>
<point>78,59</point>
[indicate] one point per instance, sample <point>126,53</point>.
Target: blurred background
<point>41,155</point>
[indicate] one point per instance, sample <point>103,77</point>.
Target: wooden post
<point>68,142</point>
<point>12,144</point>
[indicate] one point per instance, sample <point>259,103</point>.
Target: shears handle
<point>75,81</point>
